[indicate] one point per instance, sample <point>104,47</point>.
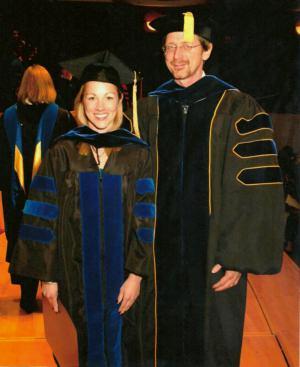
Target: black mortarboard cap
<point>99,72</point>
<point>204,26</point>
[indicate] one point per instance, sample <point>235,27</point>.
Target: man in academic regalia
<point>219,200</point>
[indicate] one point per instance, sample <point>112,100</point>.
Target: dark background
<point>257,51</point>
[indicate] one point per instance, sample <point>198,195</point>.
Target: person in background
<point>88,228</point>
<point>27,128</point>
<point>220,202</point>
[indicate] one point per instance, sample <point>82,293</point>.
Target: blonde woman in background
<point>27,128</point>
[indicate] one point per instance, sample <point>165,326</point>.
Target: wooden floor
<point>271,336</point>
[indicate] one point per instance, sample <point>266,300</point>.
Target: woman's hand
<point>50,291</point>
<point>129,292</point>
<point>229,280</point>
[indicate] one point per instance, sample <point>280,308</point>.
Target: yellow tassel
<point>134,107</point>
<point>130,122</point>
<point>188,27</point>
<point>18,166</point>
<point>37,159</point>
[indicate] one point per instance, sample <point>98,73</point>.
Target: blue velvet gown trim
<point>103,265</point>
<point>144,186</point>
<point>43,183</point>
<point>114,265</point>
<point>42,210</point>
<point>14,135</point>
<point>260,175</point>
<point>144,210</point>
<point>145,235</point>
<point>261,121</point>
<point>115,138</point>
<point>256,148</point>
<point>210,85</point>
<point>36,234</point>
<point>91,237</point>
<point>46,126</point>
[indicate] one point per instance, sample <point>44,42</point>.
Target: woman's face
<point>100,103</point>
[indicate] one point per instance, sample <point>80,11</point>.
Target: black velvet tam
<point>204,25</point>
<point>100,73</point>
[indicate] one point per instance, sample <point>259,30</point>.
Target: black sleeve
<point>252,200</point>
<point>139,259</point>
<point>36,252</point>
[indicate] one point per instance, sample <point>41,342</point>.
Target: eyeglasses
<point>169,49</point>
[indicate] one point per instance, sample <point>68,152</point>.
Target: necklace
<point>101,158</point>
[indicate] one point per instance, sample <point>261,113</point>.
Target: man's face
<point>185,63</point>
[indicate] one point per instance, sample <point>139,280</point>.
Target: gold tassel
<point>37,159</point>
<point>134,107</point>
<point>188,27</point>
<point>18,166</point>
<point>130,122</point>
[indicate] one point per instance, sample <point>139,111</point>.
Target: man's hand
<point>229,280</point>
<point>50,291</point>
<point>129,292</point>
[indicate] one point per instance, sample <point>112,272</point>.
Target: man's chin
<point>179,75</point>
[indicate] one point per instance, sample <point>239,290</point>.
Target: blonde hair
<point>37,86</point>
<point>80,116</point>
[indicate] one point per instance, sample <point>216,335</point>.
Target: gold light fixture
<point>297,27</point>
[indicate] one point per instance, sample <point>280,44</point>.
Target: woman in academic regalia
<point>27,128</point>
<point>88,225</point>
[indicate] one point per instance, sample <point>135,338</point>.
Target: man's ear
<point>206,53</point>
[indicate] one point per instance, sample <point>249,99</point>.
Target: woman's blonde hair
<point>79,110</point>
<point>36,86</point>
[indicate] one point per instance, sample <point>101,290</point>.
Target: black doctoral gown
<point>219,201</point>
<point>87,230</point>
<point>23,128</point>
